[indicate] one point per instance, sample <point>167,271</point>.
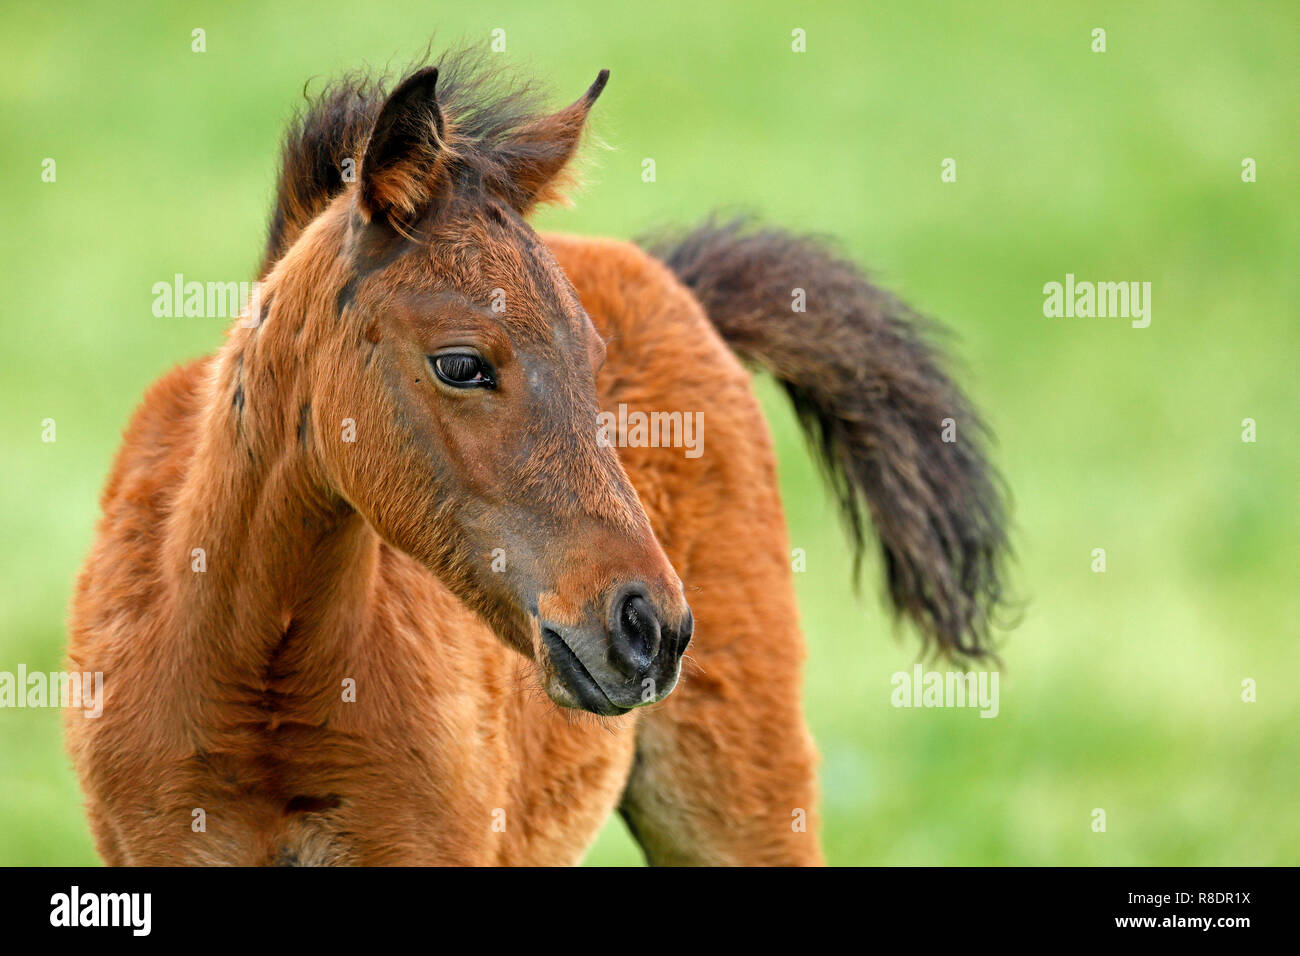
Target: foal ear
<point>397,170</point>
<point>536,155</point>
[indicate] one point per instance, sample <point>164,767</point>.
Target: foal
<point>349,566</point>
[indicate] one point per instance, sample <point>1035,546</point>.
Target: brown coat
<point>309,657</point>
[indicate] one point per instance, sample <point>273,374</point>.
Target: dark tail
<point>891,429</point>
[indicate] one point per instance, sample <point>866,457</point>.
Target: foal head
<point>453,341</point>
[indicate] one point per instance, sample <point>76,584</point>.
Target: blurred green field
<point>1121,690</point>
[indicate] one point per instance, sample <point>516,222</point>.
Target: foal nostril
<point>685,632</point>
<point>634,640</point>
<point>639,626</point>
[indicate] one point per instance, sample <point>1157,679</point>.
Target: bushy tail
<point>871,393</point>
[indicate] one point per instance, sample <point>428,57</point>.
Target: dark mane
<point>484,108</point>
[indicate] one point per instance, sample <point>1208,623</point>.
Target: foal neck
<point>257,549</point>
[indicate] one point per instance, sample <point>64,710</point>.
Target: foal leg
<point>724,767</point>
<point>724,771</point>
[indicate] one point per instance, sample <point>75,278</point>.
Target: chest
<point>422,760</point>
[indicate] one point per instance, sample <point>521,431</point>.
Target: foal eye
<point>463,370</point>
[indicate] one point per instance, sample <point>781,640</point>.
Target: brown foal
<point>363,574</point>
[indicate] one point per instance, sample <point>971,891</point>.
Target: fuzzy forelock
<point>485,109</point>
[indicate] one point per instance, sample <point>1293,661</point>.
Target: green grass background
<point>1121,690</point>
